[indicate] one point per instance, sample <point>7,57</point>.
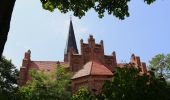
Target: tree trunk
<point>6,8</point>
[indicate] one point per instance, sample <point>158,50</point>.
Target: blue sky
<point>146,32</point>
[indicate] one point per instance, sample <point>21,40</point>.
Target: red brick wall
<point>75,62</point>
<point>22,76</point>
<point>110,62</point>
<point>91,82</point>
<point>24,72</point>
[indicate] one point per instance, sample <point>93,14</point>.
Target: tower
<point>70,43</point>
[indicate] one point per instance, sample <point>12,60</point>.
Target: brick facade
<point>94,83</point>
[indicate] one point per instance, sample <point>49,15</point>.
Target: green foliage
<point>128,84</point>
<point>117,8</point>
<point>149,1</point>
<point>82,94</point>
<point>122,86</point>
<point>47,86</point>
<point>8,79</point>
<point>161,65</point>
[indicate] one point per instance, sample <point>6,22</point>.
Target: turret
<point>24,68</point>
<point>28,55</point>
<point>27,58</point>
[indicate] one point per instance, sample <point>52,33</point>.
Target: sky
<point>145,33</point>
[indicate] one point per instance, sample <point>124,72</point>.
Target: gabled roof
<point>71,41</point>
<point>93,68</point>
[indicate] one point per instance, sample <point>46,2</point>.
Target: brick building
<point>90,67</point>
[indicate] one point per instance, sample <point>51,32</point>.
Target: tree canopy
<point>160,63</point>
<point>82,94</point>
<point>117,8</point>
<point>8,79</point>
<point>128,84</point>
<point>47,86</point>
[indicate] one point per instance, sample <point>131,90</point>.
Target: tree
<point>161,65</point>
<point>117,8</point>
<point>47,86</point>
<point>123,85</point>
<point>6,8</point>
<point>128,84</point>
<point>82,94</point>
<point>8,79</point>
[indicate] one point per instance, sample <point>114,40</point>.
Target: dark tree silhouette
<point>6,8</point>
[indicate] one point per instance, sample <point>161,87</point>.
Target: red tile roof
<point>93,68</point>
<point>46,65</point>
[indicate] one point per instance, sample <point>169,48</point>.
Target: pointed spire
<point>71,41</point>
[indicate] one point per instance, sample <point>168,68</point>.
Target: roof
<point>46,65</point>
<point>121,65</point>
<point>93,68</point>
<point>71,41</point>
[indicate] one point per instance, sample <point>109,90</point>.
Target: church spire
<point>71,41</point>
